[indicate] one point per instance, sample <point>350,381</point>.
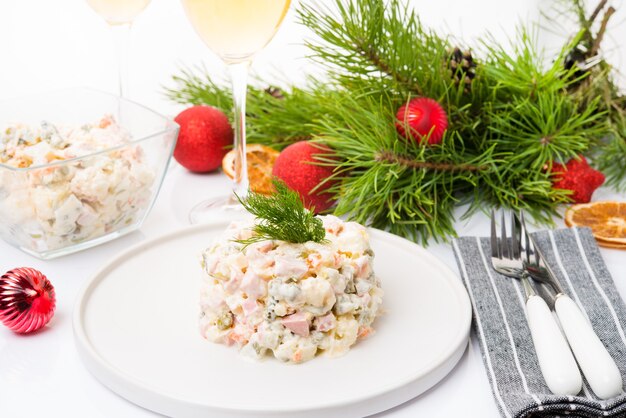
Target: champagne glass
<point>120,14</point>
<point>235,30</point>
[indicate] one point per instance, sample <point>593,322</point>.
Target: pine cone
<point>275,92</point>
<point>579,57</point>
<point>461,65</point>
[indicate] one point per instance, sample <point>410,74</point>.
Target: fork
<point>556,361</point>
<point>594,360</point>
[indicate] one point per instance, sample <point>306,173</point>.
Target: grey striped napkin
<point>500,323</point>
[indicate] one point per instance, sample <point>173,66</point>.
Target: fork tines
<point>502,246</point>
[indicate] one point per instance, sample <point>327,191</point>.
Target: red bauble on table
<point>297,167</point>
<point>578,177</point>
<point>27,300</point>
<point>204,138</point>
<point>422,118</point>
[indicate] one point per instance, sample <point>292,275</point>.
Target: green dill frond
<point>282,216</point>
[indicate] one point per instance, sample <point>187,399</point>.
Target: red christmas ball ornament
<point>576,175</point>
<point>205,133</point>
<point>296,166</point>
<point>422,116</point>
<point>27,300</point>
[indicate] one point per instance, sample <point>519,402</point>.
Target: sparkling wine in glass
<point>235,30</point>
<point>120,14</point>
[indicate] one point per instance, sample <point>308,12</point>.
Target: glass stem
<point>121,37</point>
<point>239,78</point>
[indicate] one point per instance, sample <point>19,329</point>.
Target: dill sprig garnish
<point>282,216</point>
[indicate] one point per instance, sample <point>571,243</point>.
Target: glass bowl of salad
<point>78,168</point>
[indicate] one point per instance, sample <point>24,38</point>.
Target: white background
<point>47,44</point>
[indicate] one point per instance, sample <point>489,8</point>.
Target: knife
<point>594,360</point>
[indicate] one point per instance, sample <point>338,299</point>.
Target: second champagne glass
<point>120,14</point>
<point>235,30</point>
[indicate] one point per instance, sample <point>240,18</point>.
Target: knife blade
<point>540,270</point>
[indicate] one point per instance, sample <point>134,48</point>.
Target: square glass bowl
<point>69,205</point>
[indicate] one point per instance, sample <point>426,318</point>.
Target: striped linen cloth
<point>501,328</point>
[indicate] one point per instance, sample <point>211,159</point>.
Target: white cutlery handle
<point>555,357</point>
<point>596,363</point>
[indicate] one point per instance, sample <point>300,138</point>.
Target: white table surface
<point>41,374</point>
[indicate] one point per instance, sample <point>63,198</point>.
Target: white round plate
<point>135,325</point>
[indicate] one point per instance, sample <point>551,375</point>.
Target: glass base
<point>222,208</point>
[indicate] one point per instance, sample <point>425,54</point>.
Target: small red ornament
<point>577,176</point>
<point>423,116</point>
<point>295,166</point>
<point>205,133</point>
<point>27,300</point>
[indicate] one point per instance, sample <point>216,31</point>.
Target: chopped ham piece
<point>253,285</point>
<point>297,323</point>
<point>326,322</point>
<point>290,267</point>
<point>249,306</point>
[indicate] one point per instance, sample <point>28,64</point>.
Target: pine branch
<point>600,35</point>
<point>596,12</point>
<point>390,157</point>
<point>518,118</point>
<point>374,57</point>
<point>272,121</point>
<point>579,10</point>
<point>194,86</point>
<point>533,133</point>
<point>612,160</point>
<point>376,177</point>
<point>381,45</point>
<point>522,72</point>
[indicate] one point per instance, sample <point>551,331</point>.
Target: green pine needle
<point>282,216</point>
<point>520,114</point>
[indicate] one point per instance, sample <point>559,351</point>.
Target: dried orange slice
<point>607,221</point>
<point>611,245</point>
<point>260,163</point>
